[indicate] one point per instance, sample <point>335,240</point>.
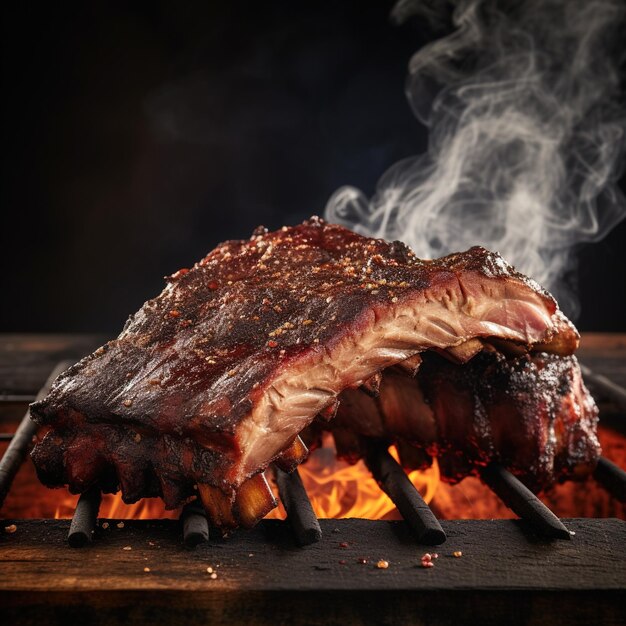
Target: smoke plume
<point>526,137</point>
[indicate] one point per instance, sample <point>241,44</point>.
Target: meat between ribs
<point>531,413</point>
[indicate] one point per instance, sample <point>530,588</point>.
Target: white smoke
<point>526,137</point>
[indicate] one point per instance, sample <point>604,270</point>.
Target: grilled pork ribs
<point>215,378</point>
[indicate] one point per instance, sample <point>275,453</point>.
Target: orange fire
<point>113,507</point>
<point>337,490</point>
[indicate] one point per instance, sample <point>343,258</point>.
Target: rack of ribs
<point>215,378</point>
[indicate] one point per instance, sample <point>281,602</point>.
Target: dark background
<point>136,137</point>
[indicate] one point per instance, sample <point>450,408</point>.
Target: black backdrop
<point>136,137</point>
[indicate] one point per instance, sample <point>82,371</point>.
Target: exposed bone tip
<point>254,500</point>
<point>218,506</point>
<point>330,411</point>
<point>465,351</point>
<point>371,386</point>
<point>507,348</point>
<point>292,456</point>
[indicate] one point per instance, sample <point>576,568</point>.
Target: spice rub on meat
<point>215,378</point>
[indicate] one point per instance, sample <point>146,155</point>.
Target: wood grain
<point>27,359</point>
<point>262,577</point>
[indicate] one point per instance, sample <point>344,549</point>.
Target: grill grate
<point>304,524</point>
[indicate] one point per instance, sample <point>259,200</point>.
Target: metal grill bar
<point>612,478</point>
<point>396,484</point>
<point>602,384</point>
<point>21,440</point>
<point>300,514</point>
<point>523,502</point>
<point>195,525</point>
<point>83,523</point>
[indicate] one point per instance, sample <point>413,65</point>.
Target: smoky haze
<point>526,137</point>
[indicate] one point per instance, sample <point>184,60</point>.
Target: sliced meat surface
<point>214,379</point>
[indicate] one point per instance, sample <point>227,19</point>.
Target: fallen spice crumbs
<point>120,524</point>
<point>105,525</point>
<point>10,529</point>
<point>126,548</point>
<point>382,564</point>
<point>427,559</point>
<point>458,554</point>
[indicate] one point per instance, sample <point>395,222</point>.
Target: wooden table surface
<point>505,575</point>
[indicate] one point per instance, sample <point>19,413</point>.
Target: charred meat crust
<point>216,364</point>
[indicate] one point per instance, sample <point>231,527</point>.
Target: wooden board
<point>505,574</point>
<point>27,360</point>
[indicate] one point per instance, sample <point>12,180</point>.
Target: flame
<point>338,490</point>
<point>113,507</point>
